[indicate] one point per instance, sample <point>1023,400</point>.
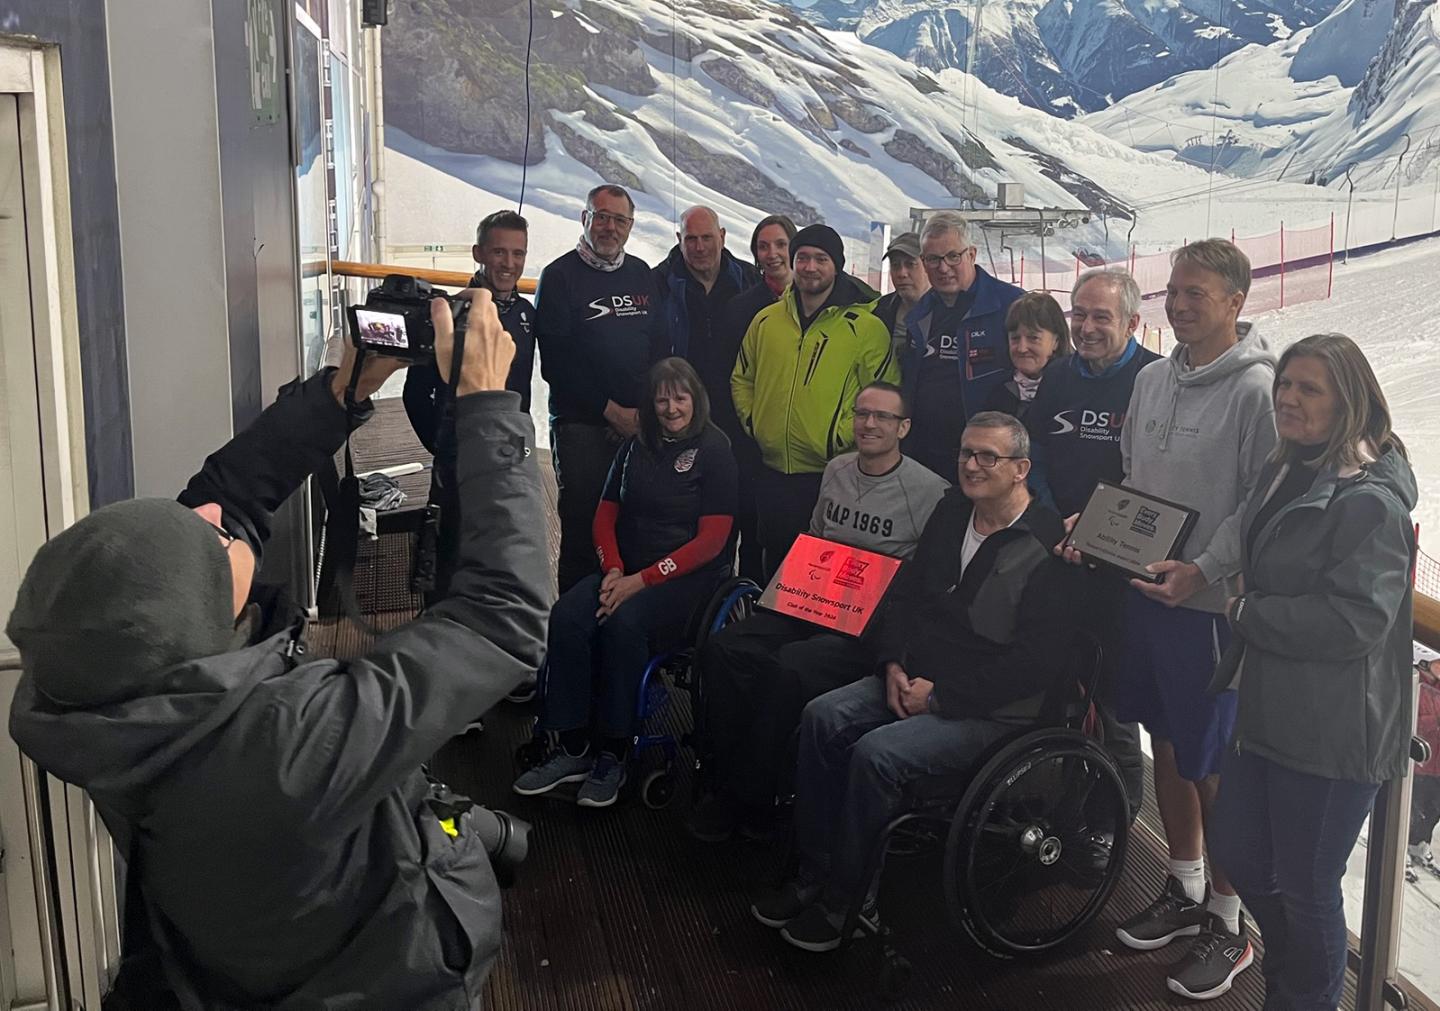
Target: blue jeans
<point>856,758</point>
<point>587,659</point>
<point>1284,837</point>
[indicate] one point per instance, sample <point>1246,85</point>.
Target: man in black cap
<point>801,363</point>
<point>283,848</point>
<point>910,283</point>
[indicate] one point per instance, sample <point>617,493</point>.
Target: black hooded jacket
<point>273,806</point>
<point>995,640</point>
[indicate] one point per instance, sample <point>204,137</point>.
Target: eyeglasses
<point>226,537</point>
<point>952,258</point>
<point>984,457</point>
<point>886,417</point>
<point>606,218</point>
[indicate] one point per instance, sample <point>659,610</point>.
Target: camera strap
<point>341,544</point>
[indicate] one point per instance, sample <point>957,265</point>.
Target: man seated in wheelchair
<point>759,673</point>
<point>661,531</point>
<point>972,634</point>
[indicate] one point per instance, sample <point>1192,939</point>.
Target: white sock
<point>1191,875</point>
<point>1227,907</point>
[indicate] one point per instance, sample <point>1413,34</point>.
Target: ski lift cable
<point>525,158</point>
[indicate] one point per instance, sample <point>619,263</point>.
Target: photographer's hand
<point>488,348</point>
<point>373,373</point>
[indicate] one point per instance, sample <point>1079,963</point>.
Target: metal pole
<point>1349,204</point>
<point>1282,264</point>
<point>1384,881</point>
<point>1435,201</point>
<point>42,856</point>
<point>1399,176</point>
<point>1330,262</point>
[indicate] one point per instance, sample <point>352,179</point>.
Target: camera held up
<point>395,319</point>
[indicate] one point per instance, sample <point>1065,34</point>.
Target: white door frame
<point>80,932</point>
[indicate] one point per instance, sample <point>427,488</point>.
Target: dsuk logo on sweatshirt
<point>1101,426</point>
<point>620,306</point>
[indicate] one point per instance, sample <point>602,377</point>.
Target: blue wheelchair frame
<point>657,787</point>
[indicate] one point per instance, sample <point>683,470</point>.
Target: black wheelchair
<point>671,669</point>
<point>1035,843</point>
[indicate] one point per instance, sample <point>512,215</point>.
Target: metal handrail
<point>37,824</point>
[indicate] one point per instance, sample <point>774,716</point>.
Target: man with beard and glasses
<point>600,325</point>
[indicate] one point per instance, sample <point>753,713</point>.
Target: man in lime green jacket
<point>801,364</point>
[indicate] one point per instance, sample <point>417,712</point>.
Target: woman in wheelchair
<point>661,531</point>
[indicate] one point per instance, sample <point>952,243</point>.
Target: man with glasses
<point>972,634</point>
<point>958,347</point>
<point>801,363</point>
<point>281,840</point>
<point>759,673</point>
<point>600,324</point>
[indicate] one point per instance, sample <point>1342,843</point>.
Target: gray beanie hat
<point>126,593</point>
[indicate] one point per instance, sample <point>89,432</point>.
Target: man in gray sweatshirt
<point>1199,428</point>
<point>760,673</point>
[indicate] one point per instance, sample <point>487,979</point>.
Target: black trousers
<point>749,551</point>
<point>1102,609</point>
<point>758,676</point>
<point>784,504</point>
<point>583,454</point>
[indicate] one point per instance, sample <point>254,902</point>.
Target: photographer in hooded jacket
<point>283,847</point>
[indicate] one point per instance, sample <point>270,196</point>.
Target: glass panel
<point>311,199</point>
<point>342,88</point>
<point>1420,923</point>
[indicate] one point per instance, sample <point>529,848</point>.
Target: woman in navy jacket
<point>661,532</point>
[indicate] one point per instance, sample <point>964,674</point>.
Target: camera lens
<point>505,837</point>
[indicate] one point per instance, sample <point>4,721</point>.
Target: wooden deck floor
<point>619,910</point>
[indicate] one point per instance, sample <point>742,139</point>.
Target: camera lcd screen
<point>382,329</point>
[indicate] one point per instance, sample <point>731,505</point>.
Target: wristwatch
<point>1237,609</point>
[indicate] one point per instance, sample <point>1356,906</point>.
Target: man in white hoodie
<point>1199,427</point>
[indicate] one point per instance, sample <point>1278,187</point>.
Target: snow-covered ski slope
<point>1386,302</point>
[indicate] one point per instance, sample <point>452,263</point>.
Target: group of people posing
<point>706,411</point>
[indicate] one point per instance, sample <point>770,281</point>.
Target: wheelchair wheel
<point>1037,843</point>
<point>733,601</point>
<point>657,789</point>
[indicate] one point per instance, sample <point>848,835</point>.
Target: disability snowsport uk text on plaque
<point>1127,529</point>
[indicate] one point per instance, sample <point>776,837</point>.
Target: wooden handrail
<point>1427,620</point>
<point>1427,609</point>
<point>378,271</point>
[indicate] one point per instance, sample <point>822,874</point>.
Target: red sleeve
<point>602,532</point>
<point>709,541</point>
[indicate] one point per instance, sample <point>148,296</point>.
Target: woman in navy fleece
<point>661,532</point>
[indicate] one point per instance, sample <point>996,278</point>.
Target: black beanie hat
<point>821,237</point>
<point>129,591</point>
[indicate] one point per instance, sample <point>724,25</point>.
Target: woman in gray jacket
<point>1322,632</point>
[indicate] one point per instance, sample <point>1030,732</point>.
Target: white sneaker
<point>1420,853</point>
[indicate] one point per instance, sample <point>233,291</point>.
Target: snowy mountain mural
<point>1359,90</point>
<point>739,103</point>
<point>1067,56</point>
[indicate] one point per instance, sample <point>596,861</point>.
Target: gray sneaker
<point>602,786</point>
<point>558,767</point>
<point>1214,960</point>
<point>1170,916</point>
